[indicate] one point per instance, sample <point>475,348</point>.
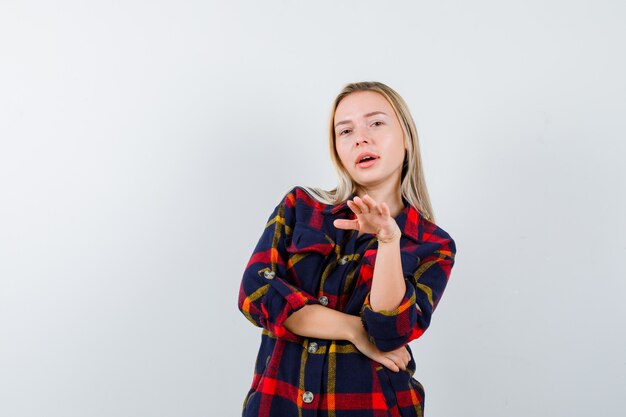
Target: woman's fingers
<point>397,358</point>
<point>361,204</point>
<point>384,209</point>
<point>346,224</point>
<point>394,360</point>
<point>371,204</point>
<point>354,207</point>
<point>405,355</point>
<point>401,357</point>
<point>389,360</point>
<point>388,363</point>
<point>372,216</point>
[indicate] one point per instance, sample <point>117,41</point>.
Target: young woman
<point>341,281</point>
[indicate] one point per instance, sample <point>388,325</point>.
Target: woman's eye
<point>345,131</point>
<point>377,123</point>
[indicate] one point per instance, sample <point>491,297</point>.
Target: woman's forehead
<point>363,102</point>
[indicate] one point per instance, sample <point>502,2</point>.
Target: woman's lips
<point>367,164</point>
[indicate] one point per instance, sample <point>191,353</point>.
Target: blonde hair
<point>413,185</point>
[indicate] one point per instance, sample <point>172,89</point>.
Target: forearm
<point>388,285</point>
<point>323,323</point>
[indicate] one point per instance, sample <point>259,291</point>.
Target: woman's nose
<point>361,136</point>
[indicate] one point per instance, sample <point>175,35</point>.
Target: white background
<point>143,145</point>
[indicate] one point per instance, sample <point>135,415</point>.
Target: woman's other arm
<point>266,297</point>
<point>321,322</point>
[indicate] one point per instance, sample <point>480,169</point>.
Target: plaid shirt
<point>303,259</point>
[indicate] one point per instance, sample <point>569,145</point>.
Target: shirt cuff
<point>391,329</point>
<point>281,301</point>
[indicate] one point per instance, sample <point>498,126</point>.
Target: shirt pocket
<point>308,250</point>
<point>307,239</point>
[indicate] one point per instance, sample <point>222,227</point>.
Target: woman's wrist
<point>353,328</point>
<point>389,234</point>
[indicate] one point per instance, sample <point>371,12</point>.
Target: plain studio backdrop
<point>144,145</point>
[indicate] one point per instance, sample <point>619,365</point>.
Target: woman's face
<point>366,124</point>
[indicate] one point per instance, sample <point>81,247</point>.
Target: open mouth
<point>367,162</point>
<point>366,159</point>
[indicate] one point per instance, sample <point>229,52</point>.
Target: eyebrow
<point>343,122</point>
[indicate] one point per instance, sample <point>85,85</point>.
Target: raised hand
<point>371,217</point>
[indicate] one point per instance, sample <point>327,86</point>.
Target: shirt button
<point>269,274</point>
<point>313,347</point>
<point>307,397</point>
<point>324,300</point>
<point>343,260</point>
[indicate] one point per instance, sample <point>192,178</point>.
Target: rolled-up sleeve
<point>266,297</point>
<point>425,283</point>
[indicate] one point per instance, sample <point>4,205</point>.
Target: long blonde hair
<point>413,185</point>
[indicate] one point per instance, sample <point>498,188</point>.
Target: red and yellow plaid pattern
<point>303,259</point>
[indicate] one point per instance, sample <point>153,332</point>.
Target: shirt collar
<point>408,219</point>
